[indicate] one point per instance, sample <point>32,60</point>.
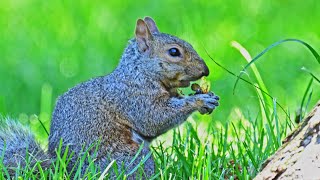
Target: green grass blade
<point>256,73</point>
<point>140,163</point>
<point>313,51</point>
<point>106,170</point>
<point>246,81</point>
<point>309,72</point>
<point>300,114</point>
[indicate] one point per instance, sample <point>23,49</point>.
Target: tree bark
<point>299,156</point>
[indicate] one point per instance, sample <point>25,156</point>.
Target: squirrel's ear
<point>151,25</point>
<point>143,35</point>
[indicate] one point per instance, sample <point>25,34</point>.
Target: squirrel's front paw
<point>206,103</point>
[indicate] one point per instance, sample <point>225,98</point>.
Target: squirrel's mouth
<point>173,85</point>
<point>184,83</point>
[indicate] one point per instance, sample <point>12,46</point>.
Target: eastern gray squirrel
<point>134,104</point>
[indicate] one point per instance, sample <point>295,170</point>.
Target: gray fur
<point>137,102</point>
<point>16,141</point>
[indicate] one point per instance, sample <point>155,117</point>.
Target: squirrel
<point>131,106</point>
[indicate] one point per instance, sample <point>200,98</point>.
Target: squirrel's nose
<point>205,70</point>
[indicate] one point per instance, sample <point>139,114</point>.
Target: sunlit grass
<point>235,151</point>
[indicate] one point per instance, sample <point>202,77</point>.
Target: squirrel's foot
<point>206,103</point>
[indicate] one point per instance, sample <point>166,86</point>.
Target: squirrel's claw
<point>206,103</point>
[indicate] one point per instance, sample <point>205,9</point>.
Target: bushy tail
<point>19,148</point>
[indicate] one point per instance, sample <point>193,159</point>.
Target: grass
<point>48,47</point>
<point>235,151</point>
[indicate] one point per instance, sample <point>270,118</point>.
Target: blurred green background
<point>47,47</point>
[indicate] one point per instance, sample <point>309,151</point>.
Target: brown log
<point>299,156</point>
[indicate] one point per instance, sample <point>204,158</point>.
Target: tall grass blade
<point>106,170</point>
<point>248,58</point>
<point>301,109</point>
<point>313,51</point>
<point>246,81</point>
<point>306,70</point>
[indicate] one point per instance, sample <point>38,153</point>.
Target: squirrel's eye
<point>174,52</point>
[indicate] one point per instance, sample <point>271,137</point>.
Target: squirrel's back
<point>91,112</point>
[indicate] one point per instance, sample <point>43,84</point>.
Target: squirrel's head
<point>173,60</point>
